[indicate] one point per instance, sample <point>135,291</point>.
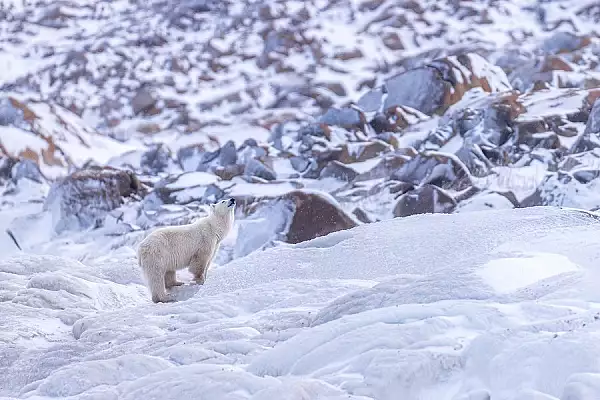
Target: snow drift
<point>477,305</point>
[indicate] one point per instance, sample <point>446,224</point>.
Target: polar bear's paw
<point>199,280</point>
<point>166,298</point>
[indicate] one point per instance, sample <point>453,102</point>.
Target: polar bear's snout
<point>231,203</point>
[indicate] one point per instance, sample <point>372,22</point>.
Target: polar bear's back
<point>168,246</point>
<point>174,246</point>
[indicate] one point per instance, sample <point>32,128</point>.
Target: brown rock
<point>356,152</point>
<point>28,114</point>
<point>424,200</point>
<point>26,119</point>
<point>348,55</point>
<point>229,172</point>
<point>397,118</point>
<point>389,164</point>
<point>148,128</point>
<point>336,169</point>
<point>555,63</point>
<point>143,102</point>
<point>314,216</point>
<point>562,120</point>
<point>392,41</point>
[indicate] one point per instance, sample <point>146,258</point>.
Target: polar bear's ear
<point>212,207</point>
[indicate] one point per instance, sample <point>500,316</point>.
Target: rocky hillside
<point>316,115</point>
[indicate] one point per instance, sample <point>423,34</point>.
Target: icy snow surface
<point>464,306</point>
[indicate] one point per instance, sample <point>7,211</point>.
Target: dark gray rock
<point>228,154</point>
<point>156,159</point>
<point>338,170</point>
<point>591,135</point>
<point>562,41</point>
<point>299,164</point>
<point>143,101</point>
<point>6,165</point>
<point>28,169</point>
<point>345,117</point>
<point>433,87</point>
<point>10,115</point>
<point>206,160</point>
<point>421,89</point>
<point>260,170</point>
<point>189,157</point>
<point>423,200</point>
<point>438,170</point>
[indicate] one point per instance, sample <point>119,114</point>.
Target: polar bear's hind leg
<point>155,278</point>
<point>171,280</point>
<point>156,284</point>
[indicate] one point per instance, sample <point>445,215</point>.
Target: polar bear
<point>171,248</point>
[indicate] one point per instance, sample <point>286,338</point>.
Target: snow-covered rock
<point>82,199</point>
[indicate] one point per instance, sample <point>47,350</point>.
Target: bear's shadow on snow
<point>185,291</point>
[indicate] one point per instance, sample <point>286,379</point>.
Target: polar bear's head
<point>223,207</point>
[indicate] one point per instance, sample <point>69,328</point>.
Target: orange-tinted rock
<point>314,216</point>
<point>356,152</point>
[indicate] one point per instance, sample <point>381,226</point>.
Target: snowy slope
<point>497,303</point>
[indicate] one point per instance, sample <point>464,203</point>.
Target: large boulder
<point>315,215</point>
<point>435,168</point>
<point>590,138</point>
<point>82,199</point>
<point>432,88</point>
<point>144,102</point>
<point>424,200</point>
<point>156,159</point>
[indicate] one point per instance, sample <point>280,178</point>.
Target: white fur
<point>169,249</point>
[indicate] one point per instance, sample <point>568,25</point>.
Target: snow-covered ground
<point>469,306</point>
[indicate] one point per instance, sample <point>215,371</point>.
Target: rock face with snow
<point>434,87</point>
<point>82,199</point>
<point>292,108</point>
<point>51,136</point>
<point>314,215</point>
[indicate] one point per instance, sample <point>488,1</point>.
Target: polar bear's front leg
<point>171,280</point>
<point>198,267</point>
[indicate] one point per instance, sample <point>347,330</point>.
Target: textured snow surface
<point>465,306</point>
